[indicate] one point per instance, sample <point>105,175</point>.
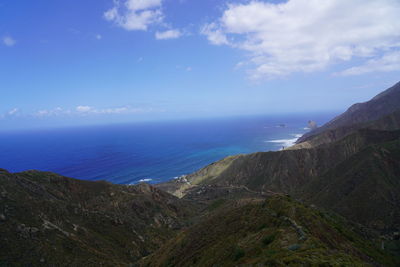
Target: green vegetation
<point>46,219</point>
<point>239,253</point>
<point>240,229</point>
<point>268,239</point>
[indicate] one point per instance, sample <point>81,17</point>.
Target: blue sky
<point>102,61</point>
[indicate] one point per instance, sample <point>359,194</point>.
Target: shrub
<point>294,247</point>
<point>239,253</point>
<point>268,239</point>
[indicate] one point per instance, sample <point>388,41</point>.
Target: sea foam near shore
<point>286,142</point>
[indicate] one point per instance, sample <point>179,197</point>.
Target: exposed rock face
<point>312,125</point>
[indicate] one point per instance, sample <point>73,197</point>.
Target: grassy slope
<point>276,232</point>
<point>365,188</point>
<point>52,220</point>
<point>357,176</point>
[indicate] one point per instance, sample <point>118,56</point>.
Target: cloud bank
<point>80,111</point>
<point>301,36</point>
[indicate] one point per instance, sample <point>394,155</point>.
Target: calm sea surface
<point>153,152</point>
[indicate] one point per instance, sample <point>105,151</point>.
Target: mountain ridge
<point>48,219</point>
<point>382,104</point>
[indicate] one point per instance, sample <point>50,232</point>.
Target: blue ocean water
<point>153,151</point>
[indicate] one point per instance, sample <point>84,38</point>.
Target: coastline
<point>129,154</point>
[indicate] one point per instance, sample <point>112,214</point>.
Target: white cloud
<point>42,113</point>
<point>111,14</point>
<point>214,34</point>
<point>88,110</point>
<point>310,35</point>
<point>12,112</point>
<point>135,14</point>
<point>388,62</point>
<point>142,4</point>
<point>99,37</point>
<point>169,34</point>
<point>115,110</point>
<point>120,110</point>
<point>9,41</point>
<point>83,109</point>
<point>185,68</point>
<point>52,112</point>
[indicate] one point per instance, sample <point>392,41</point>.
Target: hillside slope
<point>46,219</point>
<point>277,231</point>
<point>389,122</point>
<point>357,176</point>
<point>378,107</point>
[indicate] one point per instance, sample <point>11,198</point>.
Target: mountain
<point>364,188</point>
<point>360,115</point>
<point>359,174</point>
<point>276,231</point>
<point>388,122</point>
<point>350,166</point>
<point>50,220</point>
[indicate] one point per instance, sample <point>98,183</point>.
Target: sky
<point>108,61</point>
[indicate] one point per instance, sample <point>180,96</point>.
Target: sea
<point>150,152</point>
